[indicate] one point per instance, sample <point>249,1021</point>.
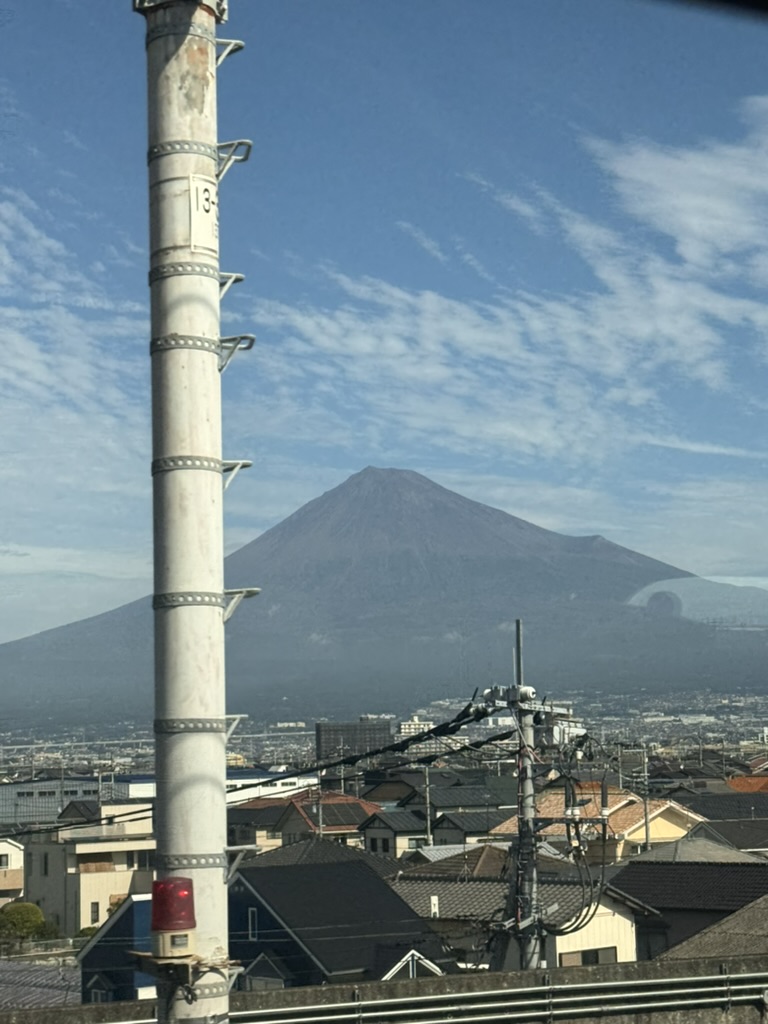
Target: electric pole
<point>522,912</point>
<point>186,163</point>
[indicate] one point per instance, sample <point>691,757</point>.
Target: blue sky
<point>520,247</point>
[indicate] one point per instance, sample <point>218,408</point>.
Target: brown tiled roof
<point>625,809</point>
<point>749,783</point>
<point>481,860</point>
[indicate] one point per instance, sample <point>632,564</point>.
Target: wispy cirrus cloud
<point>422,239</point>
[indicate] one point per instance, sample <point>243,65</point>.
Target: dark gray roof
<point>481,899</point>
<point>722,806</point>
<point>743,835</point>
<point>335,815</point>
<point>322,851</point>
<point>473,899</point>
<point>259,817</point>
<point>80,810</point>
<point>345,915</point>
<point>743,933</point>
<point>398,821</point>
<point>472,821</point>
<point>468,798</point>
<point>31,986</point>
<point>697,850</point>
<point>693,886</point>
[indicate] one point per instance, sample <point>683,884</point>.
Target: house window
<point>253,922</point>
<point>385,846</point>
<point>130,860</point>
<point>3,860</point>
<point>416,844</point>
<point>589,957</point>
<point>273,835</point>
<point>95,912</point>
<point>374,845</point>
<point>45,864</point>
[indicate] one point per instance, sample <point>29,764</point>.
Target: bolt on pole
<point>190,725</point>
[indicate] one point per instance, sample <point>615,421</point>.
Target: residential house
<point>458,827</point>
<point>333,923</point>
<point>99,854</point>
<point>447,799</point>
<point>693,884</point>
<point>108,971</point>
<point>322,851</point>
<point>310,923</point>
<point>254,823</point>
<point>11,870</point>
<point>330,815</point>
<point>625,829</point>
<point>465,904</point>
<point>394,833</point>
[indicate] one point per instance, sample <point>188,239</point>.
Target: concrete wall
<point>294,999</point>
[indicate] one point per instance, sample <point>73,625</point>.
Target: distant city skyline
<point>519,248</point>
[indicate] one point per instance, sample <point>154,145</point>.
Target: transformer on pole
<point>186,163</point>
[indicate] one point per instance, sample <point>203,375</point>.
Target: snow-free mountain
<point>389,591</point>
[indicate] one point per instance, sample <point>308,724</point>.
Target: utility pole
<point>529,923</point>
<point>428,806</point>
<point>646,787</point>
<point>522,911</point>
<point>186,163</point>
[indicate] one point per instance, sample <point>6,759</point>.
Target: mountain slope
<point>380,594</point>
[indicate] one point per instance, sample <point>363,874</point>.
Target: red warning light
<point>173,904</point>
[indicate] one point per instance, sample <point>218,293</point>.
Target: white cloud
<point>429,245</point>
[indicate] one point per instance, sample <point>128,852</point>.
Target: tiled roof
<point>485,900</point>
<point>259,817</point>
<point>469,798</point>
<point>399,821</point>
<point>693,886</point>
<point>625,809</point>
<point>742,933</point>
<point>321,851</point>
<point>472,821</point>
<point>743,835</point>
<point>722,806</point>
<point>473,899</point>
<point>343,914</point>
<point>33,986</point>
<point>749,784</point>
<point>697,849</point>
<point>478,860</point>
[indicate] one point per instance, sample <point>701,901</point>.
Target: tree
<point>20,922</point>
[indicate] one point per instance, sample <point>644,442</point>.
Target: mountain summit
<point>386,592</point>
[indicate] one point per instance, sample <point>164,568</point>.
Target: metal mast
<point>190,604</point>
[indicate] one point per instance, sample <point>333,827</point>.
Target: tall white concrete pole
<point>190,724</point>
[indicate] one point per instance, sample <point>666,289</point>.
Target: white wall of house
<point>608,938</point>
<point>11,870</point>
<point>75,875</point>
